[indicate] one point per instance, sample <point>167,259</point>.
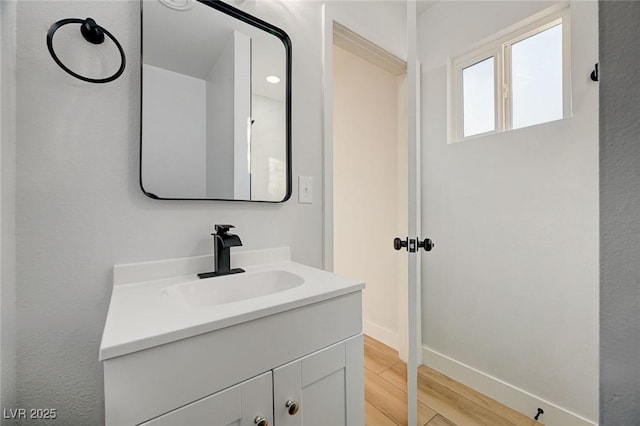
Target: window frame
<point>477,57</point>
<point>499,47</point>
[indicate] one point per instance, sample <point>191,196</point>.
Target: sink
<point>233,288</point>
<point>159,302</point>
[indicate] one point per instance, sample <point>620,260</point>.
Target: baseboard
<point>501,391</point>
<point>384,335</point>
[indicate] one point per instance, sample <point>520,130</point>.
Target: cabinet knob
<point>292,407</point>
<point>261,421</point>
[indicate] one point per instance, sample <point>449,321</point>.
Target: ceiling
<point>189,42</point>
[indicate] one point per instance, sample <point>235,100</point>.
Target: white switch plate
<point>305,189</point>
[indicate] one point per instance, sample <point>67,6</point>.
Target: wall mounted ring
<point>94,34</point>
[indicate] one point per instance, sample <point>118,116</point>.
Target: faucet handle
<point>222,229</point>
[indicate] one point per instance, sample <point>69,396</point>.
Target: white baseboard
<point>501,391</point>
<point>384,335</point>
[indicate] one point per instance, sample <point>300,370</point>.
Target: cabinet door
<point>328,387</point>
<point>238,405</point>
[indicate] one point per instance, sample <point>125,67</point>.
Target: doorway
<point>369,191</point>
<point>370,179</point>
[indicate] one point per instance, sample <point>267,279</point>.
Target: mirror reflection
<point>214,104</point>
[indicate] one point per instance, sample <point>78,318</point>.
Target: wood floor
<point>441,401</point>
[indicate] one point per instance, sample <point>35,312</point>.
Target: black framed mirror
<point>215,104</point>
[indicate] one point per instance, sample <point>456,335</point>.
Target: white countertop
<point>140,316</point>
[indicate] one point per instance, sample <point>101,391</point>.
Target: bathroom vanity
<point>280,344</point>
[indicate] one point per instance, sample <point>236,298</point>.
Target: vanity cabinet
<point>328,386</point>
<point>239,405</point>
<point>311,355</point>
<point>323,388</point>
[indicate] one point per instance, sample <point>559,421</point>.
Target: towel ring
<point>94,34</point>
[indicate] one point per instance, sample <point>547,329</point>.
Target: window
<point>515,81</point>
<point>536,78</point>
<point>478,98</point>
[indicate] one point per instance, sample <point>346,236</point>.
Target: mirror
<point>216,104</point>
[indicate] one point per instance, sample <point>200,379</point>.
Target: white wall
<point>228,98</point>
<point>268,162</point>
<point>382,22</point>
<point>221,124</point>
<point>174,134</point>
<point>512,286</point>
<point>241,115</point>
<point>7,204</point>
<point>620,221</point>
<point>80,208</point>
<point>366,178</point>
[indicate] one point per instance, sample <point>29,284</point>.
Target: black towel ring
<point>94,34</point>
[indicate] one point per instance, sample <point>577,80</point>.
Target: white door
<point>324,388</point>
<point>414,202</point>
<point>246,404</point>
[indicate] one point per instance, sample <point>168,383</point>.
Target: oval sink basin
<point>233,288</point>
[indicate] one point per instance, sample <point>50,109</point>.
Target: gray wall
<point>220,124</point>
<point>619,213</point>
<point>7,211</point>
<point>174,163</point>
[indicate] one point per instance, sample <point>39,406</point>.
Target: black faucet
<point>223,241</point>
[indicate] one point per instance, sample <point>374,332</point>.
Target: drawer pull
<point>261,421</point>
<point>292,407</point>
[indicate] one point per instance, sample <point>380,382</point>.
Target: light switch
<point>305,189</point>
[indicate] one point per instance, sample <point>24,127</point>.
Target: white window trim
<point>458,95</point>
<point>500,48</point>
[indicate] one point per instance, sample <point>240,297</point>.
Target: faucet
<point>223,241</point>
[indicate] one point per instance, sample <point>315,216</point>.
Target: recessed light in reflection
<point>178,4</point>
<point>273,79</point>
